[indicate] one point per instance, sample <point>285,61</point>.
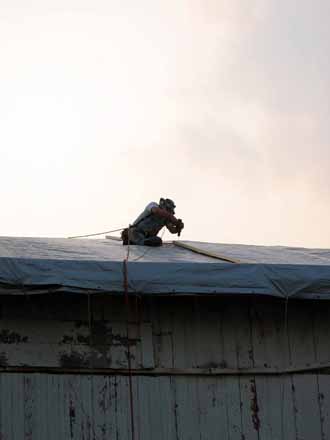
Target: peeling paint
<point>209,365</point>
<point>10,337</point>
<point>3,359</point>
<point>102,394</point>
<point>119,340</point>
<point>77,339</point>
<point>72,415</point>
<point>254,406</point>
<point>74,359</point>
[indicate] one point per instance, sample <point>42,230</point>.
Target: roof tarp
<point>36,265</point>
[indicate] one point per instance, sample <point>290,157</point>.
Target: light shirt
<point>146,212</point>
<point>149,223</point>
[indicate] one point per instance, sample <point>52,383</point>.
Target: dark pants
<point>137,237</point>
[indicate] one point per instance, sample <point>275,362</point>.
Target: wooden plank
<point>40,413</point>
<point>87,417</point>
<point>163,333</point>
<point>322,331</point>
<point>28,331</point>
<point>324,402</point>
<point>147,349</point>
<point>118,345</point>
<point>213,411</point>
<point>45,307</point>
<point>183,356</point>
<point>304,387</point>
<point>123,421</point>
<point>73,407</point>
<point>308,423</point>
<point>321,322</point>
<point>113,237</point>
<point>271,350</point>
<point>144,417</point>
<point>187,409</point>
<point>114,309</point>
<point>166,408</point>
<point>209,353</point>
<point>270,340</point>
<point>6,403</point>
<point>184,350</point>
<point>101,407</point>
<point>230,322</point>
<point>53,408</point>
<point>232,403</point>
<point>28,398</point>
<point>249,405</point>
<point>275,408</point>
<point>198,372</point>
<point>204,252</point>
<point>207,328</point>
<point>63,403</point>
<point>15,383</point>
<point>156,327</point>
<point>183,335</point>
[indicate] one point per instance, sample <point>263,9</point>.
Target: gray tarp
<point>38,265</point>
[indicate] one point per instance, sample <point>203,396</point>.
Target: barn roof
<point>40,265</point>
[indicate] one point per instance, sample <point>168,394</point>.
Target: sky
<point>221,105</point>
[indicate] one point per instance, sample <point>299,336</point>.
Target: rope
<point>98,233</point>
<point>147,250</point>
<point>125,283</point>
<point>286,340</point>
<point>90,327</point>
<point>128,346</point>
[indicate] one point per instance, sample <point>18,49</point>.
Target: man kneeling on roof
<point>146,227</point>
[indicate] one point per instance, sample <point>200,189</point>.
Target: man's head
<point>167,204</point>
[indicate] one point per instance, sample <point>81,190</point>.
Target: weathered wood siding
<point>187,334</point>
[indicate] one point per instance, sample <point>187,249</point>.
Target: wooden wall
<point>203,367</point>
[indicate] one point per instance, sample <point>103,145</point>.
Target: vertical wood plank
<point>249,406</point>
<point>187,408</point>
<point>308,421</point>
<point>54,408</point>
<point>324,400</point>
<point>275,408</point>
<point>231,384</point>
<point>166,408</point>
<point>41,408</point>
<point>103,407</point>
<point>162,321</point>
<point>208,345</point>
<point>148,360</point>
<point>17,415</point>
<point>123,409</point>
<point>304,386</point>
<point>6,406</point>
<point>322,330</point>
<point>184,352</point>
<point>270,340</point>
<point>270,349</point>
<point>213,411</point>
<point>143,429</point>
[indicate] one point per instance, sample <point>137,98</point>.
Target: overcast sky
<point>222,105</point>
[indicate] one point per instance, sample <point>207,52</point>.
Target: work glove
<point>179,226</point>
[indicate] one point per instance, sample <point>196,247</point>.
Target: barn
<point>188,341</point>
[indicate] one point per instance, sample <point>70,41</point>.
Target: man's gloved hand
<point>179,226</point>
